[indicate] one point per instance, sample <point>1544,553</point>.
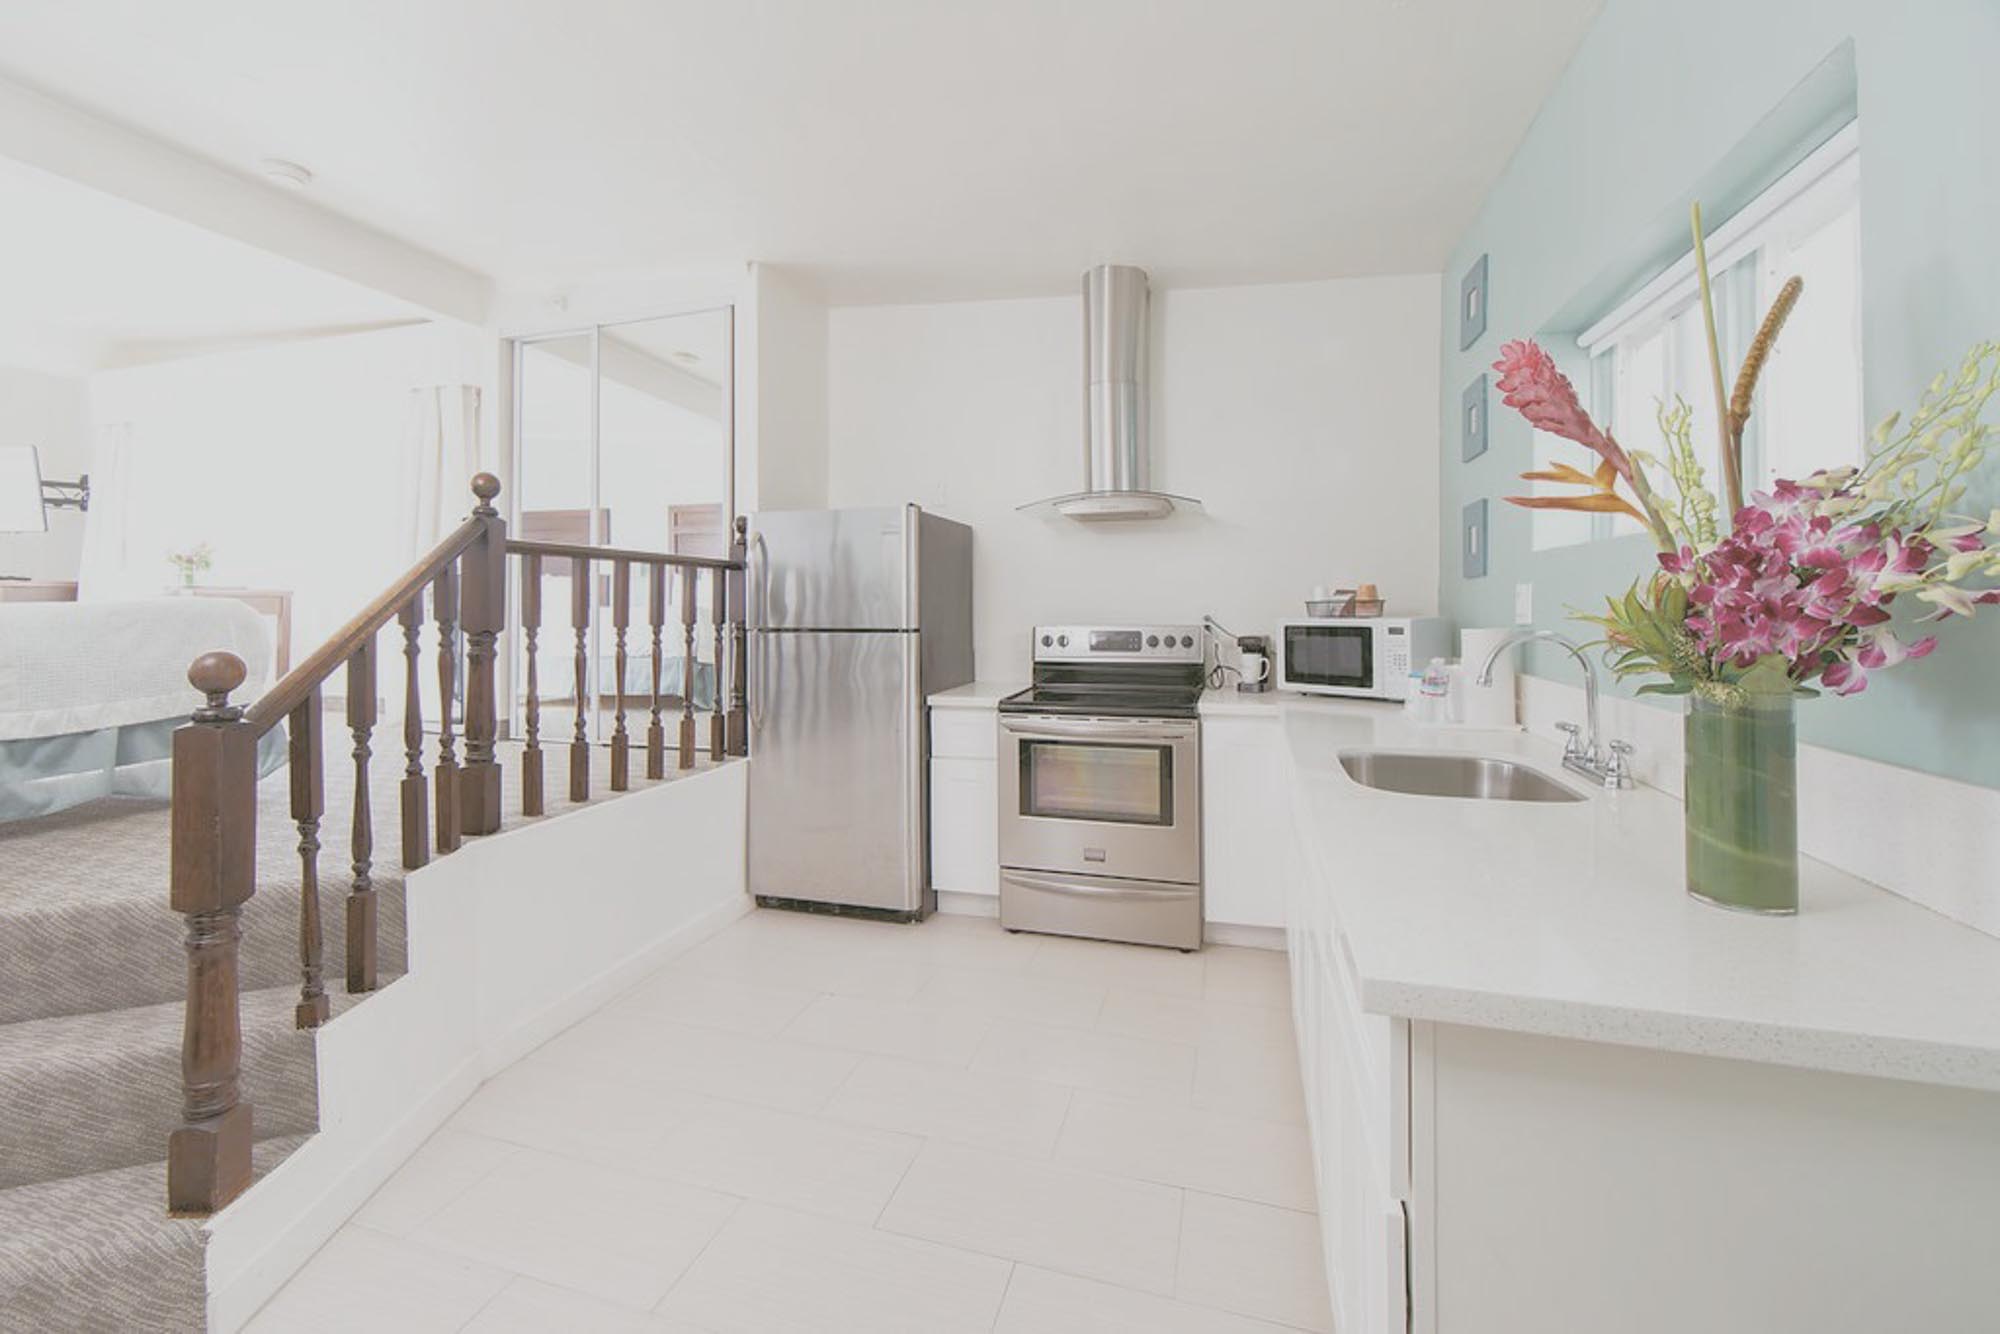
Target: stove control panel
<point>1118,643</point>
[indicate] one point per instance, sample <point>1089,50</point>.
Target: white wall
<point>290,460</point>
<point>52,413</point>
<point>783,387</point>
<point>1303,415</point>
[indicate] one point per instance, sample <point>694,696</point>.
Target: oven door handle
<point>1097,729</point>
<point>1058,886</point>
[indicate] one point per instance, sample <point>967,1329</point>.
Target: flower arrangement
<point>195,560</point>
<point>1796,592</point>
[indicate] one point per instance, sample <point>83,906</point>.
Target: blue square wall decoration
<point>1472,304</point>
<point>1472,540</point>
<point>1472,419</point>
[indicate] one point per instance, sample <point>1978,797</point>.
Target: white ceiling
<point>896,149</point>
<point>90,281</point>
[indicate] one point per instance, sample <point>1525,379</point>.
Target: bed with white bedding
<point>91,692</point>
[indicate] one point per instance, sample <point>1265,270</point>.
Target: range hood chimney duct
<point>1117,307</point>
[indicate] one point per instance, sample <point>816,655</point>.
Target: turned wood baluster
<point>531,628</point>
<point>214,869</point>
<point>483,609</point>
<point>718,615</point>
<point>444,602</point>
<point>739,657</point>
<point>416,796</point>
<point>687,667</point>
<point>361,898</point>
<point>621,618</point>
<point>308,804</point>
<point>656,618</point>
<point>579,619</point>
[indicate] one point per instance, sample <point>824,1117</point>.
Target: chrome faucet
<point>1607,764</point>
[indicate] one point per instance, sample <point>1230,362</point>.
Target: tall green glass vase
<point>1743,804</point>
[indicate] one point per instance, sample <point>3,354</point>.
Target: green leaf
<point>1769,675</point>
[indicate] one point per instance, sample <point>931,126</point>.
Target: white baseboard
<point>964,904</point>
<point>1932,840</point>
<point>501,1051</point>
<point>1249,937</point>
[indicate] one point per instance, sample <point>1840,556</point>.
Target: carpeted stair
<point>92,982</point>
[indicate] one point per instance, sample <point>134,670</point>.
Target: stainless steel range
<point>1100,786</point>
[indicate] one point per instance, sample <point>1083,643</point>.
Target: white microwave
<point>1363,657</point>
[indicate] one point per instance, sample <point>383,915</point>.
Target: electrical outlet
<point>1524,604</point>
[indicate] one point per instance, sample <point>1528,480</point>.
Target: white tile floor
<point>811,1124</point>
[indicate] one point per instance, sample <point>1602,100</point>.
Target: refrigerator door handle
<point>758,655</point>
<point>762,579</point>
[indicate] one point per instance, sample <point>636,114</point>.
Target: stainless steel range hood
<point>1117,453</point>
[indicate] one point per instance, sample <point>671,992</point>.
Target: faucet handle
<point>1572,739</point>
<point>1618,772</point>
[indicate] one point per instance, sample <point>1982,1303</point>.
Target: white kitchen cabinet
<point>1476,1180</point>
<point>1354,1069</point>
<point>965,792</point>
<point>1245,819</point>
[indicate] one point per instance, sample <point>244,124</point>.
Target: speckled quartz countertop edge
<point>1761,1042</point>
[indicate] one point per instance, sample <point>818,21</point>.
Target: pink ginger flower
<point>1532,386</point>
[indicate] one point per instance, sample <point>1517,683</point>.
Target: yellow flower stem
<point>1732,463</point>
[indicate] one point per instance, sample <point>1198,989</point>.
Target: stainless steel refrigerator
<point>856,616</point>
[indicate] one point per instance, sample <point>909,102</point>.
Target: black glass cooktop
<point>1123,700</point>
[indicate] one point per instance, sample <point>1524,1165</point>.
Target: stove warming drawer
<point>1138,912</point>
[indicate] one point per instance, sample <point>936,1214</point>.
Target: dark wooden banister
<point>277,703</point>
<point>214,815</point>
<point>521,547</point>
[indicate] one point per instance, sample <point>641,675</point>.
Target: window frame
<point>1824,186</point>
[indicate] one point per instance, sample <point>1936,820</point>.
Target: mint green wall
<point>1666,99</point>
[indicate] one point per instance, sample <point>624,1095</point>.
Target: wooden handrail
<point>213,859</point>
<point>277,703</point>
<point>573,550</point>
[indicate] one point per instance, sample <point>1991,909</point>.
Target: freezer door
<point>833,569</point>
<point>836,792</point>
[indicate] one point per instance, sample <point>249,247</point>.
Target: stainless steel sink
<point>1434,775</point>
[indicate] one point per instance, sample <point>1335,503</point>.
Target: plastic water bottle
<point>1435,691</point>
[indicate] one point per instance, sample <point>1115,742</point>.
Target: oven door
<point>1101,796</point>
<point>1329,658</point>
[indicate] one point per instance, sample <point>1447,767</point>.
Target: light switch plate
<point>1524,604</point>
<point>1472,303</point>
<point>1472,419</point>
<point>1472,540</point>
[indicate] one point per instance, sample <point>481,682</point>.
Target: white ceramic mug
<point>1256,668</point>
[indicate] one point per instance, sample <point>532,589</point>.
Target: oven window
<point>1330,655</point>
<point>1082,780</point>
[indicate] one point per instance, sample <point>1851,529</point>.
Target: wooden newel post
<point>483,611</point>
<point>738,738</point>
<point>214,862</point>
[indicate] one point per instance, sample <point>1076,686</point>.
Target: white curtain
<point>442,456</point>
<point>105,572</point>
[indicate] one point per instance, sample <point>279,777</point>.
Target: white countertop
<point>975,695</point>
<point>1571,920</point>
